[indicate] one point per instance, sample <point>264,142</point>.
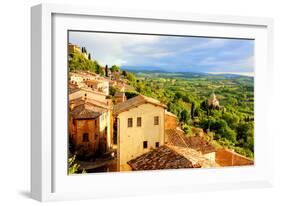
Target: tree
<point>179,95</point>
<point>131,77</point>
<point>231,119</point>
<point>112,90</point>
<point>124,73</point>
<point>245,134</point>
<point>192,110</point>
<point>185,116</point>
<point>100,70</point>
<point>130,95</point>
<point>89,56</point>
<point>115,68</point>
<point>106,70</point>
<point>204,106</point>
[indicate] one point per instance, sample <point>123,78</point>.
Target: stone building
<point>140,128</point>
<point>73,48</point>
<point>213,101</point>
<point>120,97</point>
<point>99,85</point>
<point>90,126</point>
<point>82,93</point>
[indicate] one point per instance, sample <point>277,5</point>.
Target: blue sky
<point>170,53</point>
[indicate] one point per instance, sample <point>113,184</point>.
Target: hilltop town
<point>114,127</point>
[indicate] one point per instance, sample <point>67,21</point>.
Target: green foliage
<point>131,77</point>
<point>185,116</point>
<point>231,119</point>
<point>114,68</point>
<point>112,90</point>
<point>78,62</point>
<point>100,70</point>
<point>245,152</point>
<point>245,134</point>
<point>124,73</point>
<point>72,165</point>
<point>130,95</point>
<point>186,128</point>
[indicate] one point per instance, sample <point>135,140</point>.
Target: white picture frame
<point>49,179</point>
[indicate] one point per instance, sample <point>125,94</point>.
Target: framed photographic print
<point>134,102</point>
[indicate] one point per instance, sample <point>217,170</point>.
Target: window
<point>156,120</point>
<point>156,144</point>
<point>85,137</point>
<point>139,122</point>
<point>144,144</point>
<point>130,122</point>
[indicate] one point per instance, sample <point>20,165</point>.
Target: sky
<point>168,53</point>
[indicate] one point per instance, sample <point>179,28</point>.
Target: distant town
<point>114,128</point>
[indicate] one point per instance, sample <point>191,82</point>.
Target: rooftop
<point>195,157</point>
<point>134,102</point>
<point>160,158</point>
<point>176,137</point>
<point>85,111</point>
<point>170,114</point>
<point>95,103</point>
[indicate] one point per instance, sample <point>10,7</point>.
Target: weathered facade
<point>171,121</point>
<point>140,128</point>
<point>99,85</point>
<point>90,126</point>
<point>120,97</point>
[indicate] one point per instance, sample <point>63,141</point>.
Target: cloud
<point>109,48</point>
<point>168,52</point>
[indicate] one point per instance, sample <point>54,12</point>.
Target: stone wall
<point>170,122</point>
<point>225,157</point>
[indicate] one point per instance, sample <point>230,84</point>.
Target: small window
<point>156,120</point>
<point>85,137</point>
<point>156,144</point>
<point>130,122</point>
<point>139,122</point>
<point>144,144</point>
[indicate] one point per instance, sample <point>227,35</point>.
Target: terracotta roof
<point>170,114</point>
<point>82,100</point>
<point>177,137</point>
<point>84,112</point>
<point>119,94</point>
<point>134,102</point>
<point>72,88</point>
<point>200,144</point>
<point>195,157</point>
<point>160,158</point>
